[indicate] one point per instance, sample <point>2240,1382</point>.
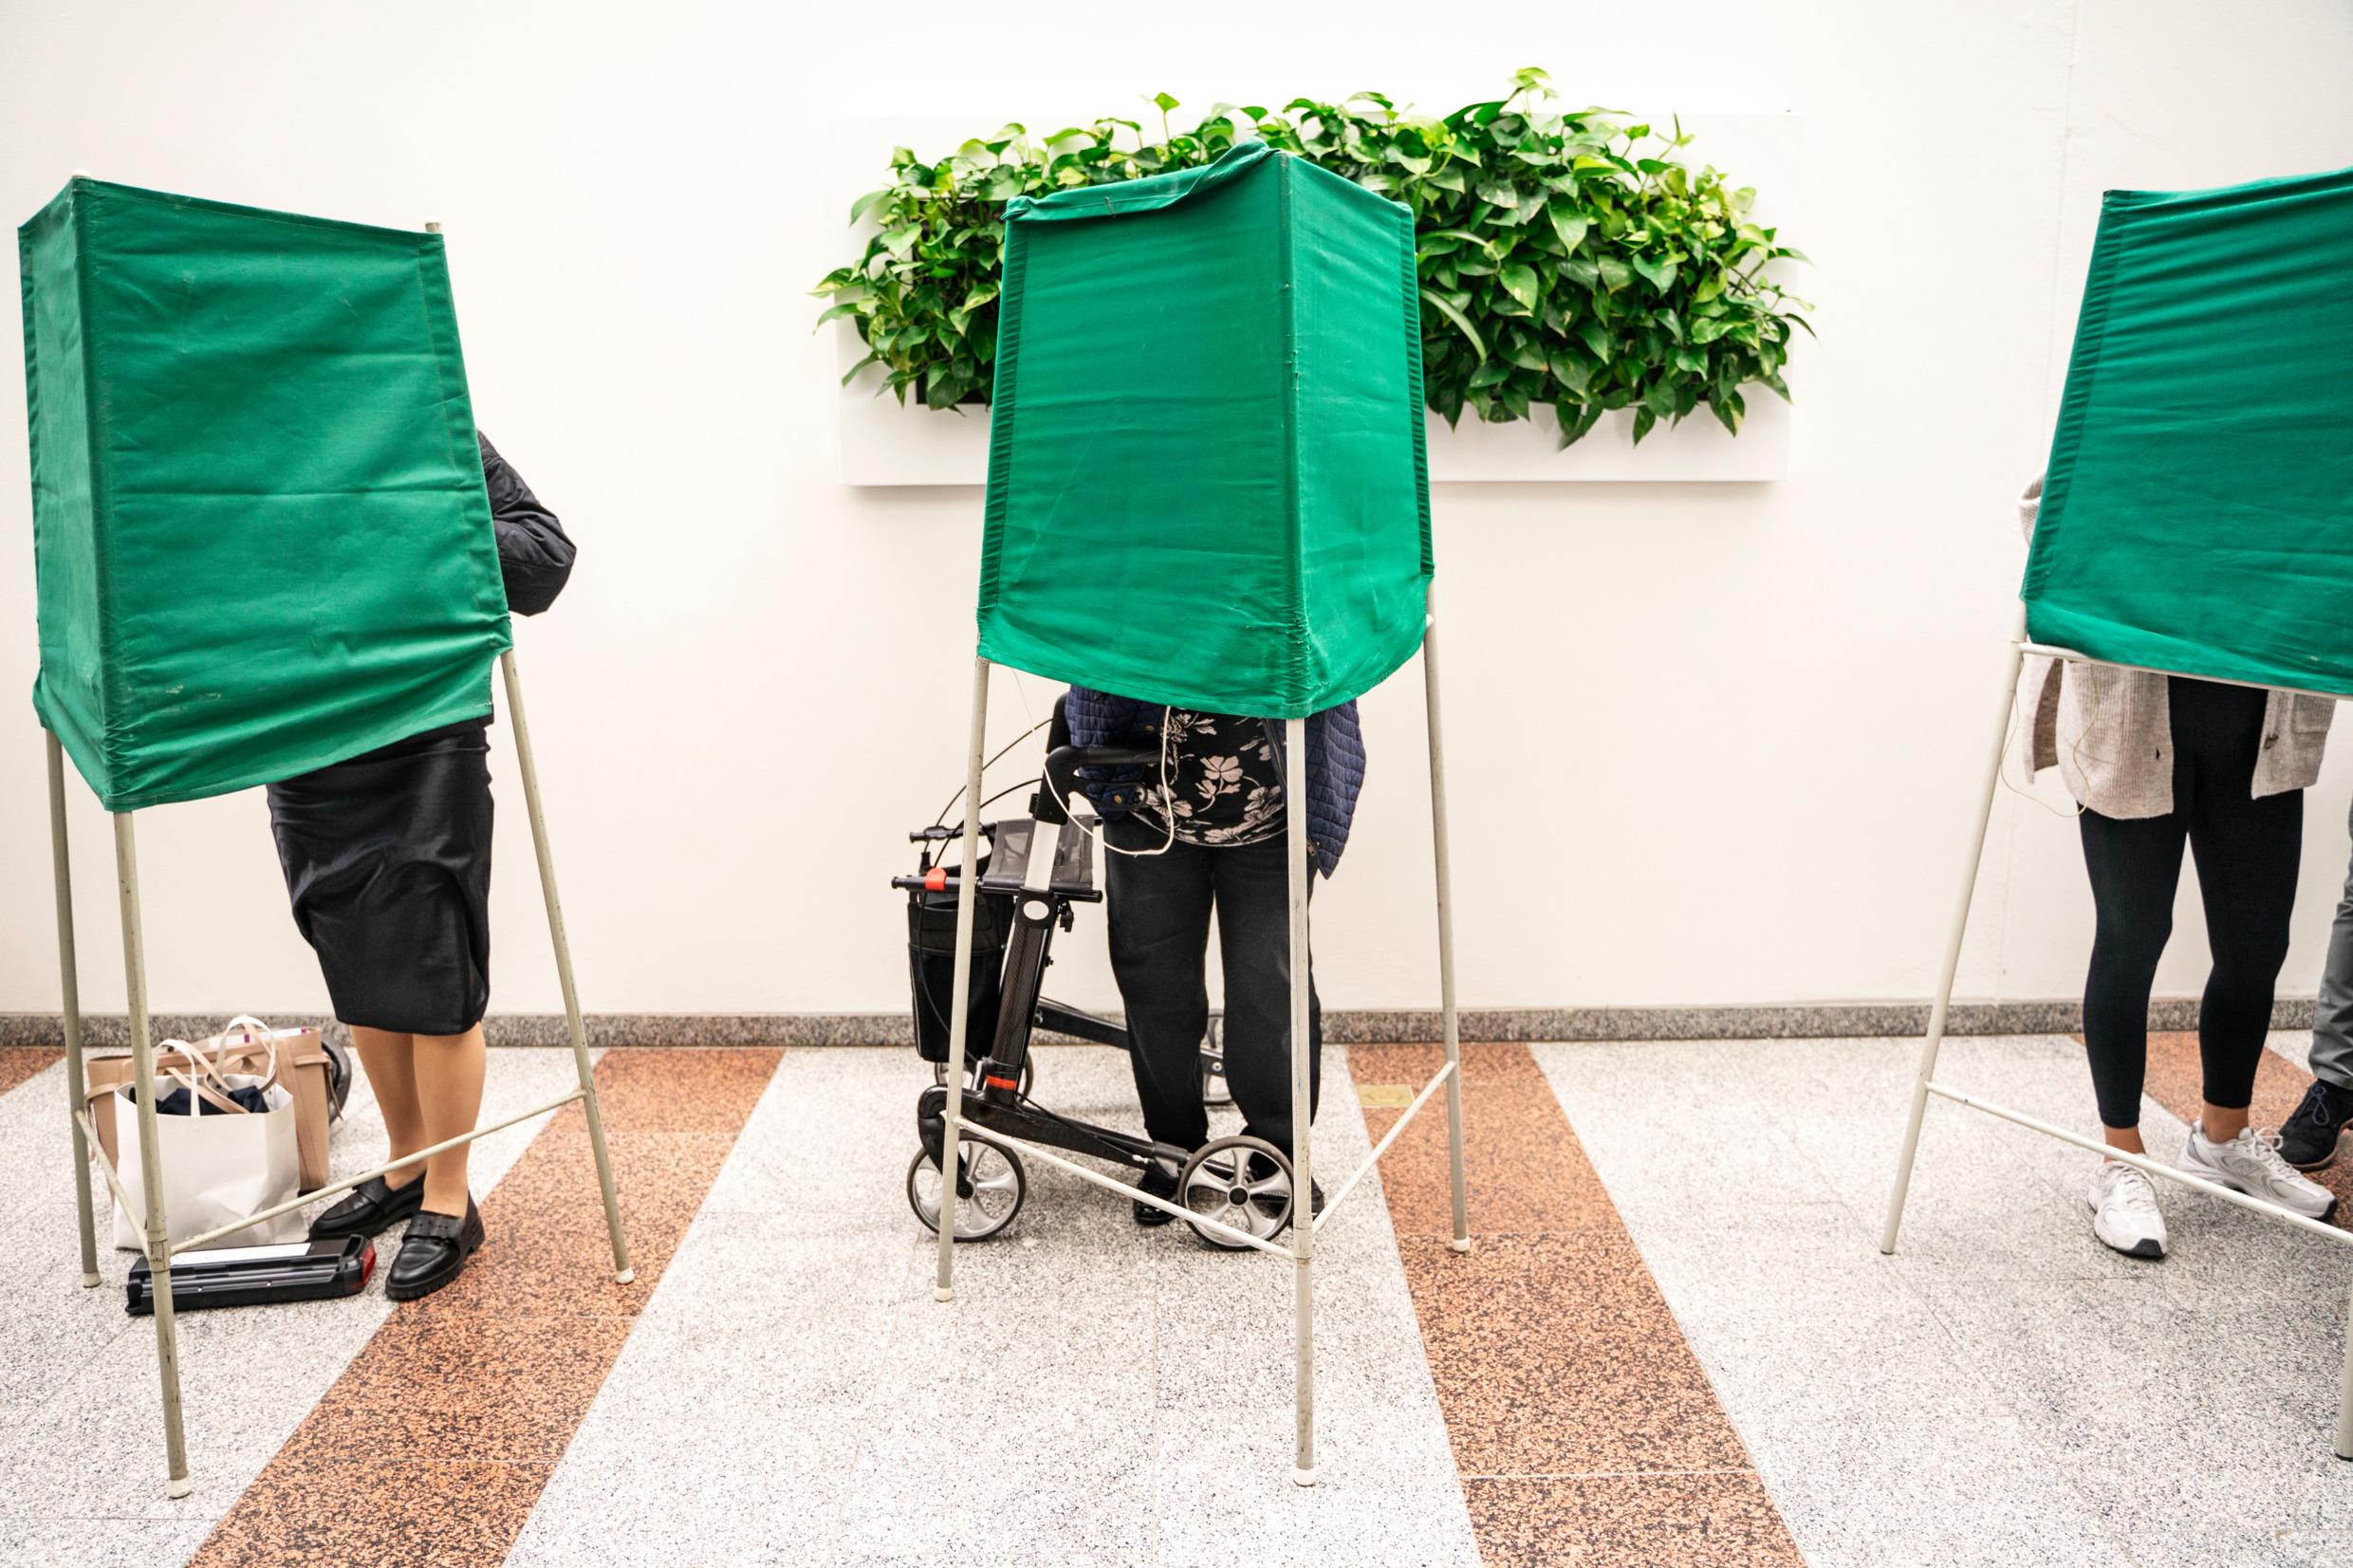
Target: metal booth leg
<point>960,997</point>
<point>1303,1101</point>
<point>69,999</point>
<point>1442,864</point>
<point>1953,943</point>
<point>2345,1395</point>
<point>622,1273</point>
<point>150,1157</point>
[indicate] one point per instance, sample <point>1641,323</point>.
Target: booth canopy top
<point>2197,516</point>
<point>1207,484</point>
<point>261,537</point>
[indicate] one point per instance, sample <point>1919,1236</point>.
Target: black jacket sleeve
<point>534,553</point>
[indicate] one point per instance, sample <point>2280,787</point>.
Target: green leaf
<point>1615,273</point>
<point>1568,223</point>
<point>1164,101</point>
<point>1520,283</point>
<point>1596,337</point>
<point>1462,322</point>
<point>867,203</point>
<point>1660,272</point>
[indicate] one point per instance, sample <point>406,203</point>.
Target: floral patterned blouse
<point>1223,786</point>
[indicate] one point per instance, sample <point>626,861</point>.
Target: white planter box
<point>883,444</point>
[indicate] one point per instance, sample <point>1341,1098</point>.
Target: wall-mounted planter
<point>884,444</point>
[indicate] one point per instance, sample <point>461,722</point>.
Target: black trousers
<point>2247,852</point>
<point>1160,915</point>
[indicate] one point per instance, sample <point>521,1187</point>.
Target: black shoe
<point>434,1252</point>
<point>2307,1139</point>
<point>1161,1182</point>
<point>370,1207</point>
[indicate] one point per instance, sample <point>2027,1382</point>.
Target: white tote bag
<point>221,1162</point>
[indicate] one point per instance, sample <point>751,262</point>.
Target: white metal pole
<point>1442,864</point>
<point>582,1067</point>
<point>1303,1101</point>
<point>1953,939</point>
<point>69,999</point>
<point>2344,1394</point>
<point>150,1156</point>
<point>960,998</point>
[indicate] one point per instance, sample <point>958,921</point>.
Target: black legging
<point>2247,853</point>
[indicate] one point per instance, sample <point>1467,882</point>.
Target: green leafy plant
<point>1567,257</point>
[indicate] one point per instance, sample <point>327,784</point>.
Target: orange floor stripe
<point>434,1443</point>
<point>1584,1428</point>
<point>19,1062</point>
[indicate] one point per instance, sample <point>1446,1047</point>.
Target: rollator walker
<point>1238,1184</point>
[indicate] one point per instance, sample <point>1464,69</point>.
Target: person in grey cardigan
<point>2164,763</point>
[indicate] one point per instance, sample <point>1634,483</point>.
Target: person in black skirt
<point>387,859</point>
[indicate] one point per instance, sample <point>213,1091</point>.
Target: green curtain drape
<point>1207,483</point>
<point>262,541</point>
<point>2197,516</point>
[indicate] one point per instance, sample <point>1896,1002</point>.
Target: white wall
<point>1710,744</point>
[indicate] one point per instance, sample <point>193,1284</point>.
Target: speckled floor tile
<point>19,1062</point>
<point>469,1387</point>
<point>397,1514</point>
<point>1516,1175</point>
<point>1705,1521</point>
<point>1560,1369</point>
<point>1556,1355</point>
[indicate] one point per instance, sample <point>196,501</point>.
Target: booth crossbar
<point>1331,1206</point>
<point>1926,1082</point>
<point>1300,1250</point>
<point>158,1250</point>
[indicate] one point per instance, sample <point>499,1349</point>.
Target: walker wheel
<point>1244,1182</point>
<point>994,1181</point>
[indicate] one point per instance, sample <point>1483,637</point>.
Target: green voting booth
<point>262,545</point>
<point>1207,488</point>
<point>2197,510</point>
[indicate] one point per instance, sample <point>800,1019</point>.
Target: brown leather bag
<point>242,1046</point>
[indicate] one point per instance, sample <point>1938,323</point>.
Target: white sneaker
<point>2123,1210</point>
<point>2250,1163</point>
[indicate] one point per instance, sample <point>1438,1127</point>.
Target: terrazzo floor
<point>1673,1342</point>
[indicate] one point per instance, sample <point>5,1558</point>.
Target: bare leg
<point>2220,1123</point>
<point>391,1065</point>
<point>448,1086</point>
<point>2128,1138</point>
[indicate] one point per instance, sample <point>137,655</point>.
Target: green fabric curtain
<point>1206,477</point>
<point>2198,513</point>
<point>261,537</point>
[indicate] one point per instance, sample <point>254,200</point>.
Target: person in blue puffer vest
<point>1205,831</point>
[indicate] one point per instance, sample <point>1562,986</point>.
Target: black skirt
<point>387,859</point>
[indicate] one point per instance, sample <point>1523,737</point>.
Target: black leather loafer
<point>1161,1182</point>
<point>434,1252</point>
<point>369,1208</point>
